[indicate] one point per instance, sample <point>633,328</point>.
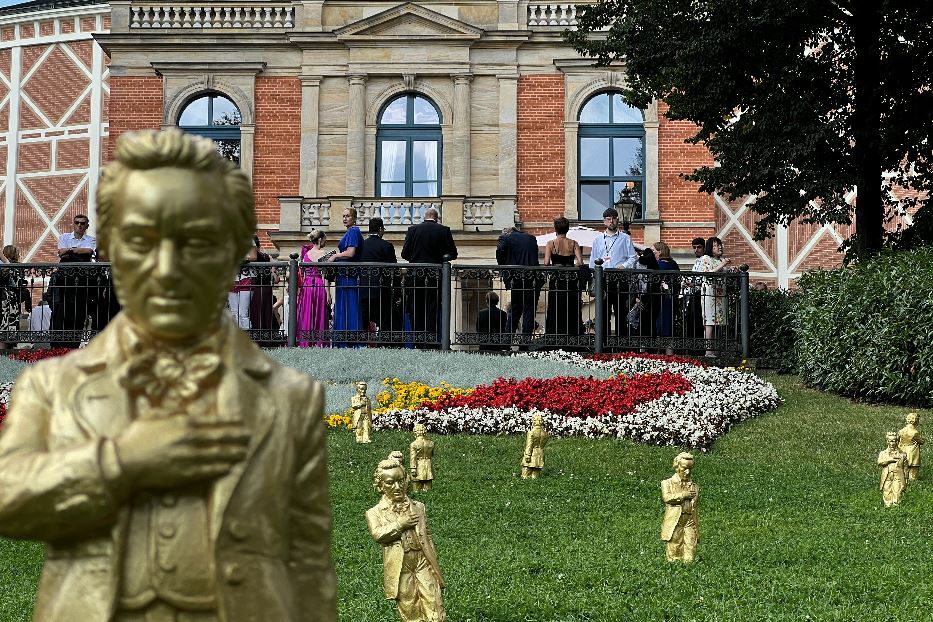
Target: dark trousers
<point>524,304</point>
<point>422,298</point>
<point>693,318</point>
<point>616,303</point>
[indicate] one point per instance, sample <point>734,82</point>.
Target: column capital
<point>357,79</point>
<point>310,80</point>
<point>462,78</point>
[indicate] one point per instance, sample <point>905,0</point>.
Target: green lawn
<point>792,527</point>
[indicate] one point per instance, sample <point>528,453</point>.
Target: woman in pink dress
<point>313,296</point>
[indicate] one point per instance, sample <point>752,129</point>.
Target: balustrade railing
<point>486,307</point>
<point>394,213</point>
<point>562,14</point>
<point>213,15</point>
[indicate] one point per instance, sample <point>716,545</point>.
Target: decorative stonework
<point>213,15</point>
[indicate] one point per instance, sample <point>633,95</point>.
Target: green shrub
<point>773,335</point>
<point>866,330</point>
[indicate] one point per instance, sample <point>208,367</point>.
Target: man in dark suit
<point>492,321</point>
<point>376,290</point>
<point>518,248</point>
<point>428,242</point>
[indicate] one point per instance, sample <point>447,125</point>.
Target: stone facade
<point>310,78</point>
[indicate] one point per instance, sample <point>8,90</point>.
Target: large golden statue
<point>681,525</point>
<point>174,471</point>
<point>362,416</point>
<point>411,575</point>
<point>421,454</point>
<point>910,442</point>
<point>893,463</point>
<point>533,456</point>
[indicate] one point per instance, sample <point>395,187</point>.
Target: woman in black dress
<point>648,288</point>
<point>563,295</point>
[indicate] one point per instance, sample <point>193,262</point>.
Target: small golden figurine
<point>893,463</point>
<point>362,408</point>
<point>910,442</point>
<point>535,440</point>
<point>681,525</point>
<point>422,455</point>
<point>174,471</point>
<point>411,575</point>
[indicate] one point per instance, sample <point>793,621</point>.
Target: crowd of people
<point>638,304</point>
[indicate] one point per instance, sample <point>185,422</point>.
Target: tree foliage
<point>798,101</point>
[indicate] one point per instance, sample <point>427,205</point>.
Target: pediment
<point>407,21</point>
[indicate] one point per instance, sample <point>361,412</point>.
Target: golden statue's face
<point>173,252</point>
<point>394,484</point>
<point>685,469</point>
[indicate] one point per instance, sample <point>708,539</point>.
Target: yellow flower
<point>410,395</point>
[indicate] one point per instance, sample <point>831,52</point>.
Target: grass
<point>792,527</point>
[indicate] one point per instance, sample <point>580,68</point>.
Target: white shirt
<point>68,240</point>
<point>618,248</point>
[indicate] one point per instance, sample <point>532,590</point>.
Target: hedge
<point>773,336</point>
<point>866,330</point>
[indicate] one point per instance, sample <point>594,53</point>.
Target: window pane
<point>393,161</point>
<point>425,114</point>
<point>392,190</point>
<point>596,110</point>
<point>230,149</point>
<point>225,113</point>
<point>635,193</point>
<point>395,113</point>
<point>594,199</point>
<point>194,113</point>
<point>428,189</point>
<point>622,112</point>
<point>627,156</point>
<point>424,160</point>
<point>594,157</point>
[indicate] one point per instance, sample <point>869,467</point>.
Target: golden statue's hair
<point>147,150</point>
<point>682,457</point>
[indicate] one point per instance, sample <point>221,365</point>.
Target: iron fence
<point>433,306</point>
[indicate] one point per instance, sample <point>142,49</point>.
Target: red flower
<point>2,414</point>
<point>31,356</point>
<point>570,396</point>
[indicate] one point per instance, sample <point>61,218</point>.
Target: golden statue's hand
<point>170,452</point>
<point>407,521</point>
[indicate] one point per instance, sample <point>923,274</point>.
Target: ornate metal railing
<point>213,15</point>
<point>487,307</point>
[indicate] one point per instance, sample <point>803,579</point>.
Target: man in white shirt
<point>79,242</point>
<point>616,250</point>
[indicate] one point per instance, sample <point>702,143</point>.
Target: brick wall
<point>135,104</point>
<point>276,144</point>
<point>678,199</point>
<point>540,147</point>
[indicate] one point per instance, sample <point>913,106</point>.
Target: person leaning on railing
<point>14,295</point>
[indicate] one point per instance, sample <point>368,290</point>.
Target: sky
<point>9,2</point>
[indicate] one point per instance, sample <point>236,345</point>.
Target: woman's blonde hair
<point>316,236</point>
<point>664,251</point>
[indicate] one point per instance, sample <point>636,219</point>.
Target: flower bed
<point>6,390</point>
<point>691,405</point>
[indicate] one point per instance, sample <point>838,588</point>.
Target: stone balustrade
<point>562,14</point>
<point>478,213</point>
<point>213,15</point>
<point>395,213</point>
<point>315,215</point>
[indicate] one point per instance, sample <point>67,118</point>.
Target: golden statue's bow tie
<point>162,376</point>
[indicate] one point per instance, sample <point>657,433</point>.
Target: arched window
<point>214,116</point>
<point>611,154</point>
<point>408,148</point>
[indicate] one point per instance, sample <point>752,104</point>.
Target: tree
<point>798,101</point>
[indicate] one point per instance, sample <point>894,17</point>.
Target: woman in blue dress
<point>347,299</point>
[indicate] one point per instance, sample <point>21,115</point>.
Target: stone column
<point>247,133</point>
<point>356,135</point>
<point>508,134</point>
<point>310,122</point>
<point>462,122</point>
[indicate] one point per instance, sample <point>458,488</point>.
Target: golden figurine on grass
<point>171,467</point>
<point>411,574</point>
<point>893,463</point>
<point>535,440</point>
<point>910,442</point>
<point>362,415</point>
<point>421,453</point>
<point>681,525</point>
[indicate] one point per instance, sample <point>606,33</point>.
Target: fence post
<point>446,276</point>
<point>743,308</point>
<point>599,335</point>
<point>292,300</point>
